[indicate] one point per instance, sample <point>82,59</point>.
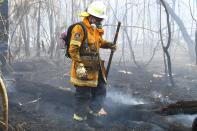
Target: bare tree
<point>195,30</point>
<point>187,38</point>
<point>165,48</point>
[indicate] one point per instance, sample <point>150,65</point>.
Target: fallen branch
<point>181,107</point>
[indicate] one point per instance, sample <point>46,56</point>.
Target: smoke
<point>123,98</point>
<point>161,98</point>
<point>126,98</point>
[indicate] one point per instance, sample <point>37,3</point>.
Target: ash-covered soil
<point>41,98</point>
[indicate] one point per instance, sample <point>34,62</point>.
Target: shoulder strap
<point>85,32</point>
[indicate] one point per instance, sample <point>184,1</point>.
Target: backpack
<point>66,37</point>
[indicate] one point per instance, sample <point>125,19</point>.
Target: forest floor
<point>41,98</point>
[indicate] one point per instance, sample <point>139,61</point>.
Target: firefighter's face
<point>95,20</point>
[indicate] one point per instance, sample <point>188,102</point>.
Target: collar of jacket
<point>86,22</point>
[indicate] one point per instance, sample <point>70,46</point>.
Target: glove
<point>81,72</point>
<point>112,46</point>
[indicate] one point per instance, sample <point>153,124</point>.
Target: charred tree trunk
<point>25,28</point>
<point>195,35</point>
<point>161,37</point>
<point>18,51</point>
<point>84,4</point>
<point>23,32</point>
<point>51,28</point>
<point>57,41</point>
<point>123,35</point>
<point>38,31</point>
<point>73,11</point>
<point>143,31</point>
<point>27,44</point>
<point>165,48</point>
<point>196,43</point>
<point>52,44</point>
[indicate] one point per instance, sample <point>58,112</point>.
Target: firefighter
<point>88,72</point>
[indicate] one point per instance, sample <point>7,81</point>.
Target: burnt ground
<point>41,98</point>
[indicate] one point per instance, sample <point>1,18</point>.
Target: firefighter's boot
<point>95,120</point>
<point>80,123</point>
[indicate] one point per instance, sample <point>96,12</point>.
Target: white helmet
<point>97,9</point>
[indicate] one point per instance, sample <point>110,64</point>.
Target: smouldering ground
<point>43,98</point>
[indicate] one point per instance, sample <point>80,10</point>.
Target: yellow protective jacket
<point>89,56</point>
